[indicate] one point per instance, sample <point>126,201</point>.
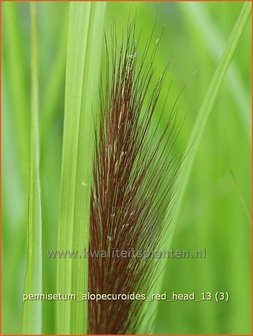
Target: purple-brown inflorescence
<point>133,183</point>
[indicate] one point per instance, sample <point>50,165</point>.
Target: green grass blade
<point>201,121</point>
<point>14,61</point>
<point>84,171</point>
<point>207,105</point>
<point>83,61</point>
<point>210,36</point>
<point>33,280</point>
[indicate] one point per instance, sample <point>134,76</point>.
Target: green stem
<point>33,280</point>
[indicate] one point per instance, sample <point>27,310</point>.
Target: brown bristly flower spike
<point>134,175</point>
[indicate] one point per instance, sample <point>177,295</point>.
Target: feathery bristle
<point>134,173</point>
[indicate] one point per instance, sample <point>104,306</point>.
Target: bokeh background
<point>216,209</point>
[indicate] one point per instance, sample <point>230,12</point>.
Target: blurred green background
<point>215,212</point>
